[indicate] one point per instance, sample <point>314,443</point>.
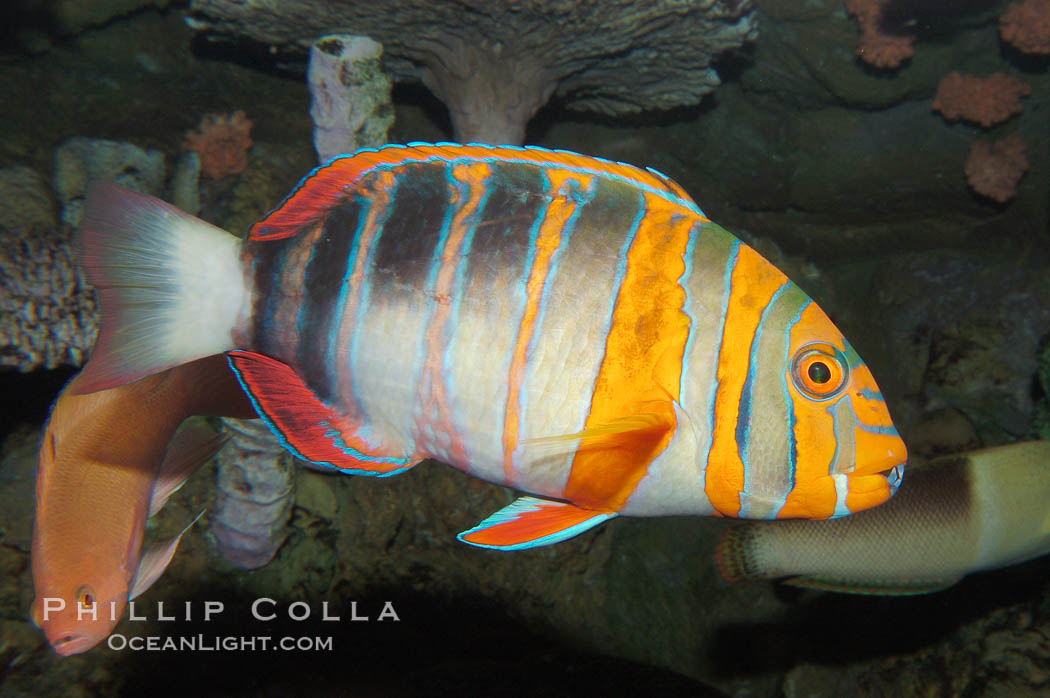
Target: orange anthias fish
<point>568,326</point>
<point>105,466</point>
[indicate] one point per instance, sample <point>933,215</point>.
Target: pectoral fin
<point>529,522</point>
<point>633,428</point>
<point>155,560</point>
<point>188,450</point>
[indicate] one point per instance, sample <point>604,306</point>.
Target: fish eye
<point>85,596</point>
<point>820,371</point>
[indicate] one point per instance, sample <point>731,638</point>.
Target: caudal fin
<point>171,287</point>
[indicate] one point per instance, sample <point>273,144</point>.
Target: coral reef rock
<point>25,199</point>
<point>79,161</point>
<point>964,332</point>
<point>253,498</point>
<point>495,62</point>
<point>350,93</point>
<point>47,313</point>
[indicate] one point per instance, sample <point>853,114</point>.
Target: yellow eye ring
<point>85,596</point>
<point>819,371</point>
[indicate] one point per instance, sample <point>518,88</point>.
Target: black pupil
<point>819,372</point>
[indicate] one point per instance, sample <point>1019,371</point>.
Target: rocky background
<point>838,171</point>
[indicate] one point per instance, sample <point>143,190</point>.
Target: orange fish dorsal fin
<point>529,522</point>
<point>305,425</point>
<point>338,179</point>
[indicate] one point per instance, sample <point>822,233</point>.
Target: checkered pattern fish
<point>567,326</point>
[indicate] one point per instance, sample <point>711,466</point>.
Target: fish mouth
<point>72,643</point>
<point>893,477</point>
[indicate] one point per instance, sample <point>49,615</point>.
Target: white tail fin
<point>171,287</point>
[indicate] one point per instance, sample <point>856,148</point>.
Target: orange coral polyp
<point>222,142</point>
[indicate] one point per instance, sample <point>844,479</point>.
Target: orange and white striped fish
<point>571,327</point>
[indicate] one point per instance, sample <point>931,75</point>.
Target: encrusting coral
<point>495,62</point>
<point>222,141</point>
<point>994,169</point>
<point>983,101</point>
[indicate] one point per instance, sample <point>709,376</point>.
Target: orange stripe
<point>293,273</point>
<point>432,386</point>
<point>548,239</point>
<point>642,365</point>
<point>378,197</point>
<point>752,285</point>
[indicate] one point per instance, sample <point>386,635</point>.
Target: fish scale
<point>568,326</point>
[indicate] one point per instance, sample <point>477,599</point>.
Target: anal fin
<point>903,588</point>
<point>529,522</point>
<point>304,424</point>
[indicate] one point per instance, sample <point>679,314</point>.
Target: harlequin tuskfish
<point>956,515</point>
<point>563,325</point>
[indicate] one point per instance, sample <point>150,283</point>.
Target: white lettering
<point>50,605</point>
<point>211,608</point>
<point>304,614</point>
<point>388,612</point>
<point>255,608</point>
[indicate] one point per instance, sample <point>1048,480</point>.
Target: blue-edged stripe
<point>581,199</point>
<point>743,420</point>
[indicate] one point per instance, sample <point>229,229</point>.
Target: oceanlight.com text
<point>219,643</point>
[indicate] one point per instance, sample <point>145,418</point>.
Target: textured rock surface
<point>47,313</point>
<point>495,63</point>
<point>350,95</point>
<point>80,161</point>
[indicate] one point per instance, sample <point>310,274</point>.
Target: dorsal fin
<point>331,183</point>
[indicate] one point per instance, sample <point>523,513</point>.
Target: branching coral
<point>495,62</point>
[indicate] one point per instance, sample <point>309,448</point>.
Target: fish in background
<point>563,325</point>
<point>955,515</point>
<point>105,466</point>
